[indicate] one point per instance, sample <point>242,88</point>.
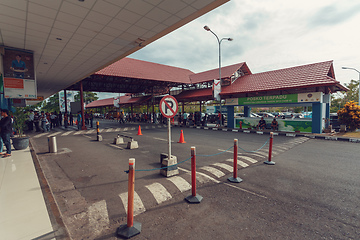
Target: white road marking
<point>138,204</point>
<point>201,177</point>
<point>180,183</point>
<point>41,134</point>
<point>249,159</point>
<point>67,133</point>
<point>54,134</point>
<point>79,132</point>
<point>225,166</point>
<point>239,162</point>
<point>87,136</point>
<point>258,195</point>
<point>115,146</point>
<point>159,192</point>
<point>214,171</point>
<point>118,130</point>
<point>109,130</point>
<point>98,217</point>
<point>162,139</point>
<point>90,131</point>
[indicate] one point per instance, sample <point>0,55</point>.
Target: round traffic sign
<point>168,106</point>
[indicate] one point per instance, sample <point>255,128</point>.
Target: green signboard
<point>289,98</point>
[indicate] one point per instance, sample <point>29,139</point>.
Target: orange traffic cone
<point>139,131</point>
<point>182,140</point>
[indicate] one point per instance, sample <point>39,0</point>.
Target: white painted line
<point>223,150</point>
<point>118,130</point>
<point>79,132</point>
<point>245,190</point>
<point>90,131</point>
<point>275,134</point>
<point>259,132</point>
<point>257,155</point>
<point>291,135</point>
<point>224,130</point>
<point>132,128</point>
<point>54,134</point>
<point>115,146</point>
<point>249,159</point>
<point>235,130</point>
<point>67,133</point>
<point>201,177</point>
<point>98,217</point>
<point>41,134</point>
<point>198,127</point>
<point>162,139</point>
<point>214,171</point>
<point>109,130</point>
<point>239,162</point>
<point>265,154</point>
<point>246,131</point>
<point>159,192</point>
<point>125,129</point>
<point>153,126</point>
<point>225,166</point>
<point>101,130</point>
<point>180,183</point>
<point>206,128</point>
<point>87,136</point>
<point>214,129</point>
<point>138,204</point>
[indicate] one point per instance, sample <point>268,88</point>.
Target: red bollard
<point>193,198</point>
<point>269,162</point>
<point>240,124</point>
<point>131,228</point>
<point>235,178</point>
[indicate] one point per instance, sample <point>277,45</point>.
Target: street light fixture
<point>359,79</point>
<point>219,42</point>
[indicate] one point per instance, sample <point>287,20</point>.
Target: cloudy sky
<point>268,35</point>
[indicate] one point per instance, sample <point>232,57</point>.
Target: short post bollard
<point>52,144</point>
<point>235,178</point>
<point>269,162</point>
<point>193,198</point>
<point>131,228</point>
<point>98,136</point>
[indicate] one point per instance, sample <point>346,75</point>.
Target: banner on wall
<point>19,74</point>
<point>217,89</point>
<point>276,99</point>
<point>69,99</point>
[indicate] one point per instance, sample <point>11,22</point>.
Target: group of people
<point>44,121</point>
<point>5,133</point>
<point>262,124</point>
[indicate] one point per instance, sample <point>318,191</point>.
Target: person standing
<point>31,120</point>
<point>36,121</point>
<point>6,129</point>
<point>71,119</point>
<point>66,120</point>
<point>79,120</point>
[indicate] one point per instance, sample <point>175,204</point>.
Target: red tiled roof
<point>310,75</point>
<point>133,68</point>
<point>108,102</point>
<point>198,94</point>
<point>214,73</point>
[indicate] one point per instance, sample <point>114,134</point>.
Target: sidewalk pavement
<point>23,212</point>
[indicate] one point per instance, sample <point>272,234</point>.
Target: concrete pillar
<point>247,110</point>
<point>230,117</point>
<point>317,117</point>
<point>83,127</point>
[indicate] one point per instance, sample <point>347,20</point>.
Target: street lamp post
<point>219,41</point>
<point>359,79</point>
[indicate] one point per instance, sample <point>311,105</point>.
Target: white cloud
<point>267,35</point>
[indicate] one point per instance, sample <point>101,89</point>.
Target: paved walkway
<point>23,212</point>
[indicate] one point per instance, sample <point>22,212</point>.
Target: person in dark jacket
<point>6,129</point>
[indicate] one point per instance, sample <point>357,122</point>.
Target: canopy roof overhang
<point>73,39</point>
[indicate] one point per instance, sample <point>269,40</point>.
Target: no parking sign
<point>169,106</point>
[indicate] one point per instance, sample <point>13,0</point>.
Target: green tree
<point>88,97</point>
<point>353,93</point>
<point>51,104</point>
<point>349,115</point>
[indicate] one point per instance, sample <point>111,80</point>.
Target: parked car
<point>265,114</point>
<point>254,115</point>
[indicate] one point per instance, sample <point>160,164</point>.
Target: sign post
<point>169,107</point>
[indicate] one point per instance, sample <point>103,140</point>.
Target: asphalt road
<point>311,193</point>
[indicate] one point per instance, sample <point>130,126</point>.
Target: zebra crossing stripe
<point>98,217</point>
<point>138,204</point>
<point>249,159</point>
<point>109,130</point>
<point>90,131</point>
<point>159,192</point>
<point>54,134</point>
<point>214,171</point>
<point>78,132</point>
<point>118,130</point>
<point>225,166</point>
<point>201,177</point>
<point>67,133</point>
<point>241,163</point>
<point>180,183</point>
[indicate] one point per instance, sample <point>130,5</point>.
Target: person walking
<point>31,120</point>
<point>36,121</point>
<point>71,119</point>
<point>79,120</point>
<point>6,130</point>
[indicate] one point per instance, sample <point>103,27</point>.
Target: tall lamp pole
<point>219,41</point>
<point>359,79</point>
